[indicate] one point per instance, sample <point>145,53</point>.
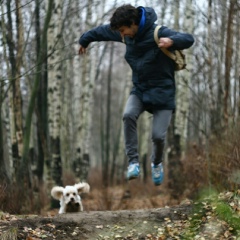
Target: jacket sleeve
<point>180,40</point>
<point>101,33</point>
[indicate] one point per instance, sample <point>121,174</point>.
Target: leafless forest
<point>61,113</point>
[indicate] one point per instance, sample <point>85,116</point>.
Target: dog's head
<point>69,196</point>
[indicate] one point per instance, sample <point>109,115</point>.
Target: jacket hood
<point>148,18</point>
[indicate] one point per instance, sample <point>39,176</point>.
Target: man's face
<point>128,31</point>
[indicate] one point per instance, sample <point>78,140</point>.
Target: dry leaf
<point>99,226</point>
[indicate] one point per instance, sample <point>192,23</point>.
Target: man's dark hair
<point>125,15</point>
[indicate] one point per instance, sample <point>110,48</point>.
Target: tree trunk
<point>17,97</point>
<point>228,60</point>
<point>4,177</point>
<point>237,70</point>
<point>68,86</point>
<point>144,133</point>
<point>35,87</point>
<point>236,92</point>
<point>79,68</point>
<point>122,159</point>
<point>176,7</point>
<point>212,105</point>
<point>84,99</point>
<point>178,141</point>
<point>77,109</point>
<point>163,11</point>
<point>6,109</point>
<point>54,93</point>
<point>175,132</point>
<point>118,141</point>
<point>12,60</point>
<point>108,120</point>
<point>220,71</point>
<point>41,106</point>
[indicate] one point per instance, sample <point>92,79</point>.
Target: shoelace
<point>157,171</point>
<point>132,168</point>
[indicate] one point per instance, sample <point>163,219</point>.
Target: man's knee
<point>129,116</point>
<point>158,138</point>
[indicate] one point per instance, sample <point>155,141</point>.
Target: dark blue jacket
<point>153,71</point>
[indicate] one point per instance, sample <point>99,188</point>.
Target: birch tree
<point>84,101</point>
<point>122,154</point>
<point>72,20</point>
<point>12,74</point>
<point>122,80</point>
<point>17,95</point>
<point>178,141</point>
<point>106,163</point>
<point>210,65</point>
<point>236,74</point>
<point>4,171</point>
<point>237,70</point>
<point>228,59</point>
<point>35,86</point>
<point>220,59</point>
<point>41,104</point>
<point>7,164</point>
<point>144,127</point>
<point>54,81</point>
<point>76,89</point>
<point>80,96</point>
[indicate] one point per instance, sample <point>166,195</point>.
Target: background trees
<point>61,112</point>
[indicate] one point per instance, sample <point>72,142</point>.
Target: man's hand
<point>165,42</point>
<point>82,50</point>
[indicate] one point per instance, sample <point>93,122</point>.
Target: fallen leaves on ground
<point>214,216</point>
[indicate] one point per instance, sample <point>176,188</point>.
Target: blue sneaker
<point>133,171</point>
<point>157,174</point>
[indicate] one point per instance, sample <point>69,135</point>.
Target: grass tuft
<point>10,234</point>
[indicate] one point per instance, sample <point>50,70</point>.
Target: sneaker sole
<point>132,177</point>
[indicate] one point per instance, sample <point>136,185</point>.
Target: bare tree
<point>6,162</point>
<point>54,93</point>
<point>228,58</point>
<point>31,105</point>
<point>41,104</point>
<point>106,162</point>
<point>179,133</point>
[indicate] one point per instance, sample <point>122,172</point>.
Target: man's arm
<point>97,34</point>
<point>174,39</point>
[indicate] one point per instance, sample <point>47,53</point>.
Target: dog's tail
<point>82,187</point>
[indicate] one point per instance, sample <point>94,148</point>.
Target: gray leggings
<point>161,120</point>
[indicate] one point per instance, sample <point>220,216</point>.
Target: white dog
<point>69,197</point>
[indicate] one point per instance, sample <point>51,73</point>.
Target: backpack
<point>177,56</point>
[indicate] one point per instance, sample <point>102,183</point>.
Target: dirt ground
<point>144,217</point>
<point>103,217</point>
<point>177,222</point>
<point>125,224</point>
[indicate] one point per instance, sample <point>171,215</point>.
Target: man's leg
<point>161,121</point>
<point>133,109</point>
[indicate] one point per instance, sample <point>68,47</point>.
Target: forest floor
<point>214,216</point>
